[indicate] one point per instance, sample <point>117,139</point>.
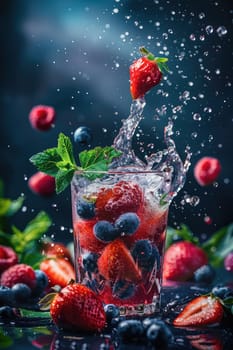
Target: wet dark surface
<point>40,333</point>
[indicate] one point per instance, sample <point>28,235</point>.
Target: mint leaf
<point>219,245</point>
<point>47,161</point>
<point>63,179</point>
<point>97,160</point>
<point>60,162</point>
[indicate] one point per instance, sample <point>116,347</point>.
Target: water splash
<point>166,163</point>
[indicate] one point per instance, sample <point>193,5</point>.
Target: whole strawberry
<point>77,307</point>
<point>8,258</point>
<point>145,73</point>
<point>181,260</point>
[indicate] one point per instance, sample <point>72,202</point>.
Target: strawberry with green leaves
<point>76,307</point>
<point>145,73</point>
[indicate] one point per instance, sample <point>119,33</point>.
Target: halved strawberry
<point>77,307</point>
<point>59,271</point>
<point>123,197</point>
<point>206,341</point>
<point>56,250</point>
<point>201,311</point>
<point>181,260</point>
<point>145,73</point>
<point>83,229</point>
<point>116,263</point>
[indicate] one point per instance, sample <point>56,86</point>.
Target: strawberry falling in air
<point>146,72</point>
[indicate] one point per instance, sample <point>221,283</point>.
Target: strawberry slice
<point>59,271</point>
<point>181,260</point>
<point>77,307</point>
<point>83,229</point>
<point>201,311</point>
<point>116,263</point>
<point>145,73</point>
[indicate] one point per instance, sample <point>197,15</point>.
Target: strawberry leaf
<point>45,302</point>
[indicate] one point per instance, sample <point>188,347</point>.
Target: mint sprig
<point>60,162</point>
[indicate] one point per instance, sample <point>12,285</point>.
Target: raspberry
<point>8,258</point>
<point>228,262</point>
<point>20,273</point>
<point>206,170</point>
<point>123,197</point>
<point>42,117</point>
<point>42,184</point>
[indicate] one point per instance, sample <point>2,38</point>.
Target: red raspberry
<point>206,170</point>
<point>123,197</point>
<point>228,262</point>
<point>8,258</point>
<point>42,184</point>
<point>20,273</point>
<point>42,117</point>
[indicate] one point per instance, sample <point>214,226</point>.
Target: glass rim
<point>118,172</point>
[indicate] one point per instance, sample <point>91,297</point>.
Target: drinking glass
<point>119,224</point>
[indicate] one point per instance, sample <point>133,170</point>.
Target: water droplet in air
<point>192,37</point>
<point>221,31</point>
<point>201,15</point>
<point>209,29</point>
<point>208,220</point>
<point>115,10</point>
<point>202,37</point>
<point>217,71</point>
<point>207,110</point>
<point>197,117</point>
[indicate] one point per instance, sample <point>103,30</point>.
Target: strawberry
<point>201,311</point>
<point>19,273</point>
<point>56,250</point>
<point>42,184</point>
<point>116,263</point>
<point>8,258</point>
<point>145,73</point>
<point>77,307</point>
<point>121,198</point>
<point>207,170</point>
<point>181,259</point>
<point>42,117</point>
<point>83,229</point>
<point>59,271</point>
<point>206,341</point>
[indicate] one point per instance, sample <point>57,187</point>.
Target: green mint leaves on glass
<point>59,162</point>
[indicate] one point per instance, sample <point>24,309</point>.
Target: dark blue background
<point>74,55</point>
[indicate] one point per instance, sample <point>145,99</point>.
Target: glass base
<point>140,310</point>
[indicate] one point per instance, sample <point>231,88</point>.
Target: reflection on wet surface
<point>40,333</point>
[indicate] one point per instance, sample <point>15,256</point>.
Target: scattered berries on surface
<point>111,312</point>
<point>21,292</point>
<point>6,296</point>
<point>207,170</point>
<point>42,117</point>
<point>20,273</point>
<point>42,184</point>
<point>204,274</point>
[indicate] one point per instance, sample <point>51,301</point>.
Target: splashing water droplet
<point>196,117</point>
<point>209,29</point>
<point>202,37</point>
<point>221,31</point>
<point>201,15</point>
<point>217,71</point>
<point>192,37</point>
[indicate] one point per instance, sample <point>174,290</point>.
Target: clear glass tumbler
<point>119,223</point>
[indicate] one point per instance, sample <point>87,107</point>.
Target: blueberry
<point>41,283</point>
<point>90,262</point>
<point>222,291</point>
<point>85,209</point>
<point>130,330</point>
<point>157,332</point>
<point>83,136</point>
<point>21,292</point>
<point>6,296</point>
<point>123,289</point>
<point>145,254</point>
<point>105,231</point>
<point>127,223</point>
<point>7,313</point>
<point>111,312</point>
<point>205,274</point>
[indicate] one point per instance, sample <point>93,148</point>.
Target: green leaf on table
<point>5,340</point>
<point>219,245</point>
<point>34,313</point>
